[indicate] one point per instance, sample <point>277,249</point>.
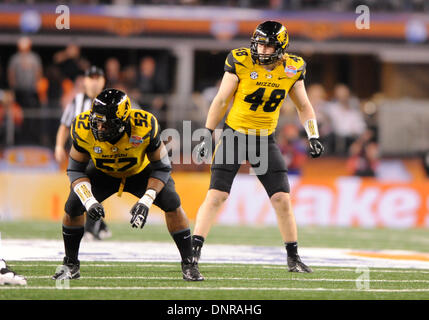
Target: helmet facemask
<point>111,128</point>
<point>265,58</point>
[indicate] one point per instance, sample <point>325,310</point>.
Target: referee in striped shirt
<point>93,83</point>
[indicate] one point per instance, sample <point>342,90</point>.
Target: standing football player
<point>93,84</point>
<point>127,155</point>
<point>258,79</point>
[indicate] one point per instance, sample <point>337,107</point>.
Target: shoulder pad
<point>80,128</point>
<point>298,63</point>
<point>238,58</point>
<point>144,123</point>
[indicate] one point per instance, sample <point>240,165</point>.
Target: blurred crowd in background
<point>331,5</point>
<point>347,125</point>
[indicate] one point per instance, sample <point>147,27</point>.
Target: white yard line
<point>211,289</point>
<point>240,279</point>
<point>217,265</point>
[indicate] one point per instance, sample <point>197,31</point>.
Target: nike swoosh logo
<point>187,237</point>
<point>280,78</point>
<point>128,148</point>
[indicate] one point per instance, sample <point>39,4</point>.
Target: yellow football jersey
<point>260,93</point>
<point>127,156</point>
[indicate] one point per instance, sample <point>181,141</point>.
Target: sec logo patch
<point>254,75</point>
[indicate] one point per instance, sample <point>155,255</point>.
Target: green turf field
<point>162,281</point>
<point>328,237</point>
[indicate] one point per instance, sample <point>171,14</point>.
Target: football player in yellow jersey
<point>258,80</point>
<point>116,149</point>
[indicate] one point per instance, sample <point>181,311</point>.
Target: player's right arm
<point>217,110</point>
<point>80,183</point>
<point>221,101</point>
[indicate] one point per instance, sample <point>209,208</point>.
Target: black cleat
<point>295,264</point>
<point>7,276</point>
<point>190,272</point>
<point>69,270</point>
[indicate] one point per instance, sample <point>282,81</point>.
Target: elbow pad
<point>161,169</point>
<point>76,170</point>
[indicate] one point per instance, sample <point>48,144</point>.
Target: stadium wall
<point>342,201</point>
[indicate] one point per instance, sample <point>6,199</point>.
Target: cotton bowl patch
<point>290,71</point>
<point>136,140</point>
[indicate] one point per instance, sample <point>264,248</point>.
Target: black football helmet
<point>110,109</point>
<point>269,33</point>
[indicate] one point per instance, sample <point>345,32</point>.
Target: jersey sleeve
<point>230,63</point>
<point>76,139</point>
<point>155,136</point>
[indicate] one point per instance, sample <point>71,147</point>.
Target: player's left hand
<point>139,214</point>
<point>316,148</point>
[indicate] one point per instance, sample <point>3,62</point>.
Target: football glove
<point>202,151</point>
<point>316,148</point>
<point>96,211</point>
<point>139,214</point>
<point>202,148</point>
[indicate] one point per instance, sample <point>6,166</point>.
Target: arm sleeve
<point>155,136</point>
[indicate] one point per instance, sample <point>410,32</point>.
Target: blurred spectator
<point>9,111</point>
<point>24,74</point>
<point>293,147</point>
<point>69,62</point>
<point>24,71</point>
<point>346,118</point>
<point>129,81</point>
<point>112,69</point>
<point>364,155</point>
<point>148,79</point>
<point>318,98</point>
<point>55,88</point>
<point>158,108</point>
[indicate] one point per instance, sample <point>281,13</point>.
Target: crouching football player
<point>9,277</point>
<point>125,153</point>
